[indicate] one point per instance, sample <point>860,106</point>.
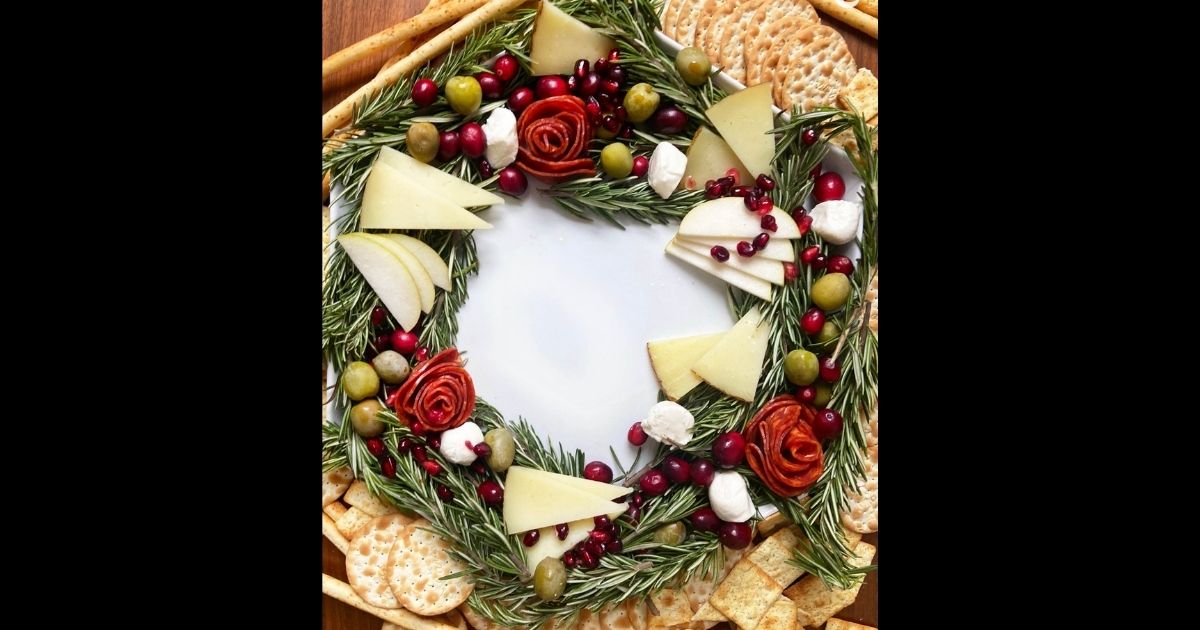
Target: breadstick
<point>342,592</point>
<point>342,112</point>
<point>852,17</point>
<point>870,7</point>
<point>391,36</point>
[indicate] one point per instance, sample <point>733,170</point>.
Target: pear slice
<point>392,201</point>
<point>769,270</point>
<point>727,217</point>
<point>740,279</point>
<point>387,275</point>
<point>437,269</point>
<point>415,269</point>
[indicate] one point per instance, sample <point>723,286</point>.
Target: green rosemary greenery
<point>631,197</point>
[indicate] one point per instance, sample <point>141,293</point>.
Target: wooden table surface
<point>347,21</point>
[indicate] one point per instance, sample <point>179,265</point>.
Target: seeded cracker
<point>780,616</point>
<point>862,93</point>
<point>818,66</point>
<point>352,522</point>
<point>746,595</point>
<point>361,498</point>
<point>334,484</point>
<point>819,603</point>
<point>769,18</point>
<point>366,560</point>
<point>417,563</point>
<point>729,45</point>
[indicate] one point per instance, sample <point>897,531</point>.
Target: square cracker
<point>862,93</point>
<point>772,524</point>
<point>746,595</point>
<point>817,601</point>
<point>773,555</point>
<point>839,624</point>
<point>359,497</point>
<point>335,510</point>
<point>780,616</point>
<point>353,520</point>
<point>673,609</point>
<point>709,614</point>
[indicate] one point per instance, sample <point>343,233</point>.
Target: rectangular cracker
<point>774,553</point>
<point>336,510</point>
<point>353,520</point>
<point>708,614</point>
<point>342,592</point>
<point>359,497</point>
<point>772,524</point>
<point>673,609</point>
<point>862,93</point>
<point>329,528</point>
<point>839,624</point>
<point>780,616</point>
<point>817,602</point>
<point>746,595</point>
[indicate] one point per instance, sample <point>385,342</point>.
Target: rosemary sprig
<point>631,197</point>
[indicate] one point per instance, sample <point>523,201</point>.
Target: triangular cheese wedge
<point>672,360</point>
<point>769,270</point>
<point>431,178</point>
<point>392,201</point>
<point>559,39</point>
<point>727,217</point>
<point>777,248</point>
<point>387,275</point>
<point>532,502</point>
<point>745,121</point>
<point>606,491</point>
<point>439,272</point>
<point>709,157</point>
<point>754,286</point>
<point>734,364</point>
<point>415,269</point>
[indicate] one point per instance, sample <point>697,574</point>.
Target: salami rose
<point>552,135</point>
<point>781,448</point>
<point>438,393</point>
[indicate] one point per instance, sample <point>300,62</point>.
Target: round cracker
<point>616,617</point>
<point>367,559</point>
<point>417,563</point>
<point>771,21</point>
<point>863,513</point>
<point>818,66</point>
<point>334,484</point>
<point>670,14</point>
<point>712,17</point>
<point>729,46</point>
<point>685,24</point>
<point>639,614</point>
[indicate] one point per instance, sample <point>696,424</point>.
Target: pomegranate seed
<point>482,449</point>
<point>828,424</point>
<point>798,213</point>
<point>840,264</point>
<point>375,446</point>
<point>616,546</point>
<point>570,559</point>
<point>601,66</point>
<point>729,449</point>
<point>829,186</point>
<point>765,182</point>
<point>602,521</point>
<point>760,241</point>
<point>812,321</point>
<point>423,353</point>
<point>378,314</point>
<point>804,224</point>
<point>595,547</point>
<point>479,467</point>
<point>614,55</point>
<point>388,466</point>
<point>745,249</point>
<point>582,67</point>
<point>727,182</point>
<point>433,468</point>
<point>626,131</point>
<point>633,514</point>
<point>620,113</point>
<point>434,441</point>
<point>810,254</point>
<point>806,394</point>
<point>418,453</point>
<point>445,494</point>
<point>676,468</point>
<point>790,272</point>
<point>435,416</point>
<point>636,436</point>
<point>406,445</point>
<point>768,223</point>
<point>653,483</point>
<point>816,172</point>
<point>734,175</point>
<point>587,560</point>
<point>641,164</point>
<point>505,67</point>
<point>598,471</point>
<point>485,169</point>
<point>719,253</point>
<point>609,86</point>
<point>636,499</point>
<point>490,492</point>
<point>592,107</point>
<point>531,537</point>
<point>830,370</point>
<point>610,123</point>
<point>705,520</point>
<point>418,428</point>
<point>809,137</point>
<point>751,200</point>
<point>573,84</point>
<point>617,74</point>
<point>819,262</point>
<point>764,204</point>
<point>702,472</point>
<point>561,530</point>
<point>740,191</point>
<point>712,189</point>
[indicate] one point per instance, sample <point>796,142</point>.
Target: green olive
<point>464,94</point>
<point>831,291</point>
<point>422,140</point>
<point>693,65</point>
<point>617,160</point>
<point>670,534</point>
<point>364,417</point>
<point>549,579</point>
<point>829,335</point>
<point>392,367</point>
<point>641,101</point>
<point>360,381</point>
<point>801,367</point>
<point>824,393</point>
<point>503,449</point>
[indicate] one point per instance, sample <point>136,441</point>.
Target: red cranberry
<point>840,264</point>
<point>447,145</point>
<point>433,468</point>
<point>804,224</point>
<point>587,560</point>
<point>637,436</point>
<point>581,68</point>
<point>740,191</point>
<point>806,394</point>
<point>482,449</point>
<point>617,74</point>
<point>418,454</point>
<point>760,241</point>
<point>809,254</point>
<point>827,425</point>
<point>570,559</point>
<point>676,469</point>
<point>734,535</point>
<point>378,314</point>
<point>505,67</point>
<point>388,465</point>
<point>521,98</point>
<point>601,66</point>
<point>790,272</point>
<point>616,546</point>
<point>764,204</point>
<point>765,182</point>
<point>702,472</point>
<point>669,119</point>
<point>712,190</point>
<point>445,494</point>
<point>421,354</point>
<point>636,499</point>
<point>512,181</point>
<point>473,142</point>
<point>381,343</point>
<point>809,137</point>
<point>641,164</point>
<point>719,253</point>
<point>769,223</point>
<point>830,371</point>
<point>424,92</point>
<point>745,249</point>
<point>404,342</point>
<point>589,84</point>
<point>592,107</point>
<point>490,84</point>
<point>829,186</point>
<point>812,321</point>
<point>551,85</point>
<point>561,530</point>
<point>602,522</point>
<point>653,482</point>
<point>406,445</point>
<point>491,492</point>
<point>729,449</point>
<point>598,471</point>
<point>705,520</point>
<point>531,538</point>
<point>614,55</point>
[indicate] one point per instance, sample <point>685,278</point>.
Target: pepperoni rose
<point>552,134</point>
<point>438,393</point>
<point>781,448</point>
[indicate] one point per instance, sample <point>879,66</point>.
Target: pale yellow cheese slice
<point>777,248</point>
<point>533,502</point>
<point>769,270</point>
<point>727,217</point>
<point>451,188</point>
<point>549,546</point>
<point>415,269</point>
<point>754,286</point>
<point>709,157</point>
<point>606,491</point>
<point>559,40</point>
<point>387,275</point>
<point>439,272</point>
<point>672,360</point>
<point>745,121</point>
<point>392,201</point>
<point>734,364</point>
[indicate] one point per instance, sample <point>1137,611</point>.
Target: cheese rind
<point>745,121</point>
<point>709,157</point>
<point>769,270</point>
<point>754,286</point>
<point>534,499</point>
<point>438,270</point>
<point>415,269</point>
<point>388,277</point>
<point>672,361</point>
<point>451,188</point>
<point>777,248</point>
<point>559,40</point>
<point>734,364</point>
<point>727,217</point>
<point>392,201</point>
